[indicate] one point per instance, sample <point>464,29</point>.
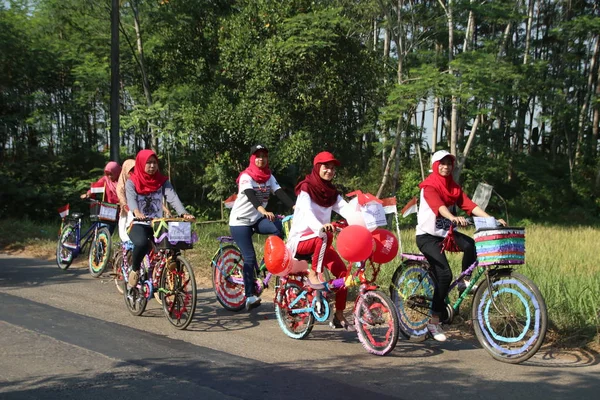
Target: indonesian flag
<point>97,187</point>
<point>389,205</point>
<point>230,200</point>
<point>64,211</point>
<point>410,207</point>
<point>364,198</point>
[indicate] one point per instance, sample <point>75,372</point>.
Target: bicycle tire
<point>100,251</point>
<point>179,300</point>
<point>117,271</point>
<point>64,255</point>
<point>228,261</point>
<point>376,322</point>
<point>297,326</point>
<point>412,293</point>
<point>513,326</point>
<point>135,299</point>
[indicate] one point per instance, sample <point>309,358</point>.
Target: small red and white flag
<point>410,207</point>
<point>97,187</point>
<point>64,211</point>
<point>389,205</point>
<point>229,201</point>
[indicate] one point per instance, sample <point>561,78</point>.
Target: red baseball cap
<point>324,157</point>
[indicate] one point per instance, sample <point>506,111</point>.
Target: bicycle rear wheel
<point>412,294</point>
<point>180,295</point>
<point>510,317</point>
<point>228,264</point>
<point>64,255</point>
<point>100,252</point>
<point>117,271</point>
<point>376,322</point>
<point>295,325</point>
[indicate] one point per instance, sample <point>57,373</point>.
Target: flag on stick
<point>64,211</point>
<point>410,207</point>
<point>97,187</point>
<point>389,205</point>
<point>230,200</point>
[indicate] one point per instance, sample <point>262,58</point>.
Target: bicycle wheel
<point>180,295</point>
<point>295,325</point>
<point>64,255</point>
<point>510,318</point>
<point>228,264</point>
<point>376,322</point>
<point>100,252</point>
<point>117,271</point>
<point>136,299</point>
<point>412,293</point>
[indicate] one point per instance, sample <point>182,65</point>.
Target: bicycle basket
<point>173,233</point>
<point>100,211</point>
<point>500,246</point>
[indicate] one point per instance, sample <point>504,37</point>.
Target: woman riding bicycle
<point>312,233</point>
<point>435,234</point>
<point>145,191</point>
<point>126,172</point>
<point>249,215</point>
<point>112,170</point>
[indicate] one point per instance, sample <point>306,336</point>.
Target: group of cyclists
<point>141,191</point>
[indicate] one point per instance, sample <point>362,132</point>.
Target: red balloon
<point>277,256</point>
<point>355,243</point>
<point>386,246</point>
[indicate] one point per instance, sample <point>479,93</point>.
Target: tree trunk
<point>434,130</point>
<point>528,31</point>
<point>583,113</point>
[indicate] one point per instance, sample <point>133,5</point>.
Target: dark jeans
<point>140,235</point>
<point>431,247</point>
<point>242,235</point>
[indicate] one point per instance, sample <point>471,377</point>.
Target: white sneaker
<point>462,286</point>
<point>437,332</point>
<point>252,302</point>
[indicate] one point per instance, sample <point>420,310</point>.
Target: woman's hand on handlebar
<point>267,214</point>
<point>188,217</point>
<point>501,222</point>
<point>138,214</point>
<point>459,221</point>
<point>328,228</point>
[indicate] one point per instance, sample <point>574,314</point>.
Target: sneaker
<point>437,332</point>
<point>134,277</point>
<point>337,324</point>
<point>252,302</point>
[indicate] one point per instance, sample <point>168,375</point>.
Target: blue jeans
<point>242,235</point>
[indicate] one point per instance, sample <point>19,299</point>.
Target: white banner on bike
<point>180,232</point>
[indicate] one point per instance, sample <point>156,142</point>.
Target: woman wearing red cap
<point>145,191</point>
<point>249,215</point>
<point>311,231</point>
<point>439,193</point>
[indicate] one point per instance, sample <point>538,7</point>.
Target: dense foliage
<point>512,89</point>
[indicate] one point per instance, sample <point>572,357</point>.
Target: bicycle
<point>298,305</point>
<point>227,273</point>
<point>71,243</point>
<point>164,271</point>
<point>508,311</point>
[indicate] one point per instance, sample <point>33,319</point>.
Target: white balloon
<point>297,266</point>
<point>355,218</point>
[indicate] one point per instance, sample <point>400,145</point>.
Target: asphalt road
<point>64,334</point>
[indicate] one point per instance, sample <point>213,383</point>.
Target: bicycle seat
<point>414,256</point>
<point>226,239</point>
<point>76,215</point>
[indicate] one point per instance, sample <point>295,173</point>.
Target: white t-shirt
<point>243,212</point>
<point>428,222</point>
<point>309,218</point>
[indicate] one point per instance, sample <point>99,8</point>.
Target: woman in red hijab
<point>146,190</point>
<point>108,182</point>
<point>439,194</point>
<point>312,233</point>
<point>249,214</point>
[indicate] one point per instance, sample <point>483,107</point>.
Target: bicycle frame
<point>79,247</point>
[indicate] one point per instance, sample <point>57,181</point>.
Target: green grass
<point>562,261</point>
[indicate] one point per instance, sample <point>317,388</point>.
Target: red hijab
<point>260,175</point>
<point>144,182</point>
<point>445,186</point>
<point>320,191</point>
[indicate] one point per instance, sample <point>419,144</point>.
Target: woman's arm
<point>173,199</point>
<point>285,199</point>
<point>478,212</point>
<point>251,195</point>
<point>131,195</point>
<point>304,211</point>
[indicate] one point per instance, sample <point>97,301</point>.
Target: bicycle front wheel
<point>296,325</point>
<point>510,317</point>
<point>376,322</point>
<point>412,294</point>
<point>179,293</point>
<point>227,266</point>
<point>64,255</point>
<point>100,252</point>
